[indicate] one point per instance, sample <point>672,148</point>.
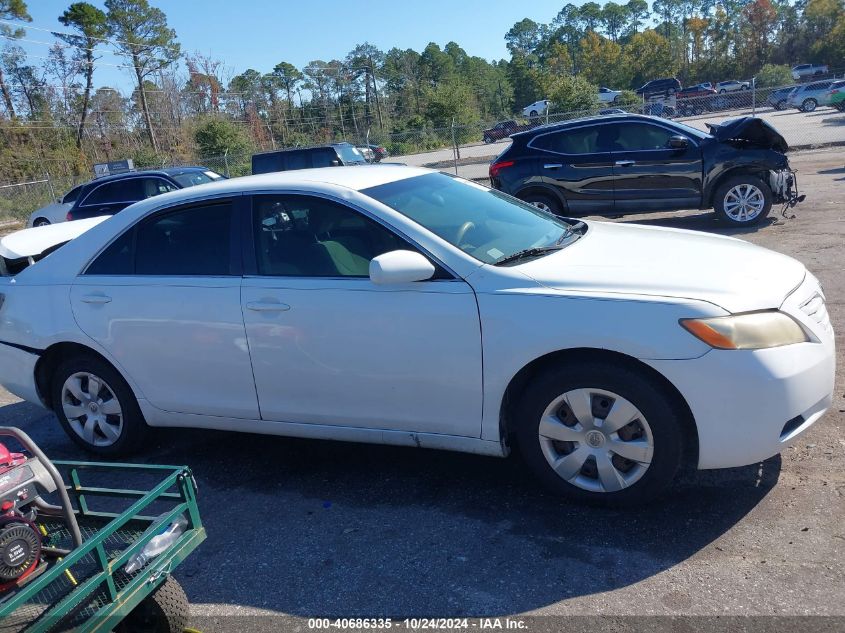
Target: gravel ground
<point>311,529</point>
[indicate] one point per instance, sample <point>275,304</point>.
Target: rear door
<point>648,174</point>
<point>573,161</point>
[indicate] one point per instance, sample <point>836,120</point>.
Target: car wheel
<point>809,105</point>
<point>544,202</point>
<point>744,88</point>
<point>600,433</point>
<point>96,407</point>
<point>41,222</point>
<point>488,140</point>
<point>722,91</point>
<point>780,105</point>
<point>532,113</point>
<point>743,200</point>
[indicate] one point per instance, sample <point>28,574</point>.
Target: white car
<point>732,86</point>
<point>56,211</point>
<point>606,95</point>
<point>537,108</point>
<point>398,305</point>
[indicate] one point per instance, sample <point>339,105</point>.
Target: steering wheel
<point>462,231</point>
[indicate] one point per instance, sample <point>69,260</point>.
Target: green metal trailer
<point>88,589</point>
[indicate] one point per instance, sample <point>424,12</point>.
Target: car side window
<point>633,137</point>
<point>156,186</point>
<point>192,241</point>
<point>128,190</point>
<point>72,195</point>
<point>583,140</point>
<point>323,157</point>
<point>296,160</point>
<point>308,236</point>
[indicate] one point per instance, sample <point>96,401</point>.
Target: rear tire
<point>166,610</point>
<point>543,201</point>
<point>729,196</point>
<point>41,222</point>
<point>809,105</point>
<point>654,433</point>
<point>96,407</point>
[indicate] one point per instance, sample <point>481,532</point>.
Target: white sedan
<point>732,85</point>
<point>606,95</point>
<point>402,306</point>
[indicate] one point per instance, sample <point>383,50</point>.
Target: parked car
<point>803,71</point>
<point>809,96</point>
<point>379,152</point>
<point>632,163</point>
<point>352,305</point>
<point>331,155</point>
<point>836,97</point>
<point>55,211</point>
<point>698,90</point>
<point>606,95</point>
<point>368,154</point>
<point>536,109</point>
<point>112,194</point>
<point>612,111</point>
<point>779,99</point>
<point>827,98</point>
<point>732,85</point>
<point>666,86</point>
<point>504,129</point>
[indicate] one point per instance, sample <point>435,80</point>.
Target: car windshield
<point>350,155</point>
<point>192,178</point>
<point>487,224</point>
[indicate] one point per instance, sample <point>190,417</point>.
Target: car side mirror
<point>678,142</point>
<point>400,267</point>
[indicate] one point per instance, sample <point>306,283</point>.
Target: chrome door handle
<point>625,163</point>
<point>552,166</point>
<point>267,306</point>
<point>95,299</point>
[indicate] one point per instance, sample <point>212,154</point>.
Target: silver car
<point>810,96</point>
<point>56,211</point>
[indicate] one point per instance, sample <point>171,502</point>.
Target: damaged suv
<point>628,163</point>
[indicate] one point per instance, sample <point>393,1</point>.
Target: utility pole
<point>375,92</point>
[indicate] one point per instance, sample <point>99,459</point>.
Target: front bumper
<point>17,373</point>
<point>750,405</point>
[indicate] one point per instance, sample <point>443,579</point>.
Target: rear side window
<point>129,190</point>
<point>193,241</point>
<point>266,163</point>
<point>72,195</point>
<point>323,157</point>
<point>296,160</point>
<point>582,140</point>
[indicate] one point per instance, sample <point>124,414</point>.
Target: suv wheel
<point>600,433</point>
<point>809,105</point>
<point>742,200</point>
<point>96,407</point>
<point>543,201</point>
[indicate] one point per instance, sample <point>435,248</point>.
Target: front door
<point>648,174</point>
<point>330,347</point>
<point>573,161</point>
<point>164,301</point>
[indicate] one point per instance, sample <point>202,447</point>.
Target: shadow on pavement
<point>703,221</point>
<point>316,528</point>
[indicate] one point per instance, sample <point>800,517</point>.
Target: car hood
<point>750,129</point>
<point>634,259</point>
<point>34,241</point>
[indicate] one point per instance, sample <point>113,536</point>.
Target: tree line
<point>185,106</point>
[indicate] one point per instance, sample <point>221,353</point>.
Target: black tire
<point>722,91</point>
<point>809,105</point>
<point>780,105</point>
<point>41,222</point>
<point>533,113</point>
<point>134,429</point>
<point>648,396</point>
<point>543,200</point>
<point>488,140</point>
<point>723,189</point>
<point>163,611</point>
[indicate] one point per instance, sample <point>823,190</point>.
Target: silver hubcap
<point>744,203</point>
<point>543,206</point>
<point>92,409</point>
<point>596,440</point>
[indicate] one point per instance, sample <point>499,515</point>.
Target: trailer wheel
<point>163,611</point>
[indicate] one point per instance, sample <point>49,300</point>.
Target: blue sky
<point>260,33</point>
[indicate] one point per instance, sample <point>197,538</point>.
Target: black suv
<point>666,86</point>
<point>630,163</point>
<point>110,194</point>
<point>333,155</point>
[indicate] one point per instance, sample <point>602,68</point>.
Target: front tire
<point>96,407</point>
<point>809,105</point>
<point>600,433</point>
<point>742,200</point>
<point>41,222</point>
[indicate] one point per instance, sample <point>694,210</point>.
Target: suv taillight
<point>69,217</point>
<point>495,168</point>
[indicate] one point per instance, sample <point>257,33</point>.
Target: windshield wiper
<point>537,251</point>
<point>575,228</point>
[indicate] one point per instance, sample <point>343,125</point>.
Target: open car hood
<point>32,242</point>
<point>751,130</point>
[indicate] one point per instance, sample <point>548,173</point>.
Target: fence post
<point>754,96</point>
<point>226,161</point>
<point>455,151</point>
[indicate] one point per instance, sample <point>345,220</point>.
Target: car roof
<point>562,125</point>
<point>308,147</point>
<point>167,171</point>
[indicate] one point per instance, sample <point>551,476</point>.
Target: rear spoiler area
<point>22,249</point>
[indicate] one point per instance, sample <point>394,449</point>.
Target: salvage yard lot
<point>313,529</point>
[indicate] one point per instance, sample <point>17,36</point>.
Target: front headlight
<point>751,330</point>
